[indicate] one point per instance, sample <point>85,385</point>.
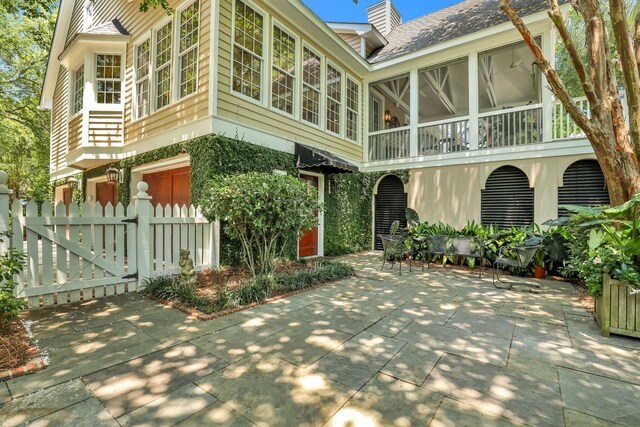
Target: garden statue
<point>188,274</point>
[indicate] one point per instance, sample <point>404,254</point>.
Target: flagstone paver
<point>130,385</point>
<point>439,347</point>
<point>606,398</point>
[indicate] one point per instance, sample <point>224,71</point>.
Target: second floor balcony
<point>485,101</point>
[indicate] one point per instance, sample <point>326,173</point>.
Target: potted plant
<point>611,266</point>
<point>539,271</point>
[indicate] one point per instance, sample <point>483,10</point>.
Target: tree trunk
<point>616,145</point>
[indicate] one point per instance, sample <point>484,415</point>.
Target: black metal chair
<point>524,255</point>
<point>394,250</point>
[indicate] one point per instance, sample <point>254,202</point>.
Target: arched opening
<point>507,198</point>
<point>390,206</point>
<point>583,184</point>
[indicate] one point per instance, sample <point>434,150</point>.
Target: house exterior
<point>451,101</point>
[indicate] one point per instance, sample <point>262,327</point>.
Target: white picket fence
<point>76,253</point>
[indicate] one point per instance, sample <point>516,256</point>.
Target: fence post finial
<point>5,194</point>
<point>142,204</point>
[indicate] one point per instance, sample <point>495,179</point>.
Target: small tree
<point>10,265</point>
<point>266,212</point>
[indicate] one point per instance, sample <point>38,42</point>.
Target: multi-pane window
<point>334,99</point>
<point>143,61</point>
<point>247,51</point>
<point>311,71</point>
<point>163,66</point>
<point>284,70</point>
<point>189,21</point>
<point>353,98</point>
<point>108,79</point>
<point>78,88</point>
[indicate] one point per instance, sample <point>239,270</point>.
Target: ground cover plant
<point>233,287</point>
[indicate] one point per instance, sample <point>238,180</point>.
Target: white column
<point>548,49</point>
<point>474,105</point>
<point>414,87</point>
<point>4,211</point>
<point>142,203</point>
<point>214,242</point>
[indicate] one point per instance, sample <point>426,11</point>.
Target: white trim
<point>320,252</point>
<point>214,55</point>
<point>358,110</point>
<point>296,72</point>
<point>178,54</point>
<point>330,63</point>
<point>546,149</point>
<point>264,57</point>
<point>313,50</point>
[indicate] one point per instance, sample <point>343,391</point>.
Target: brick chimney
<point>384,16</point>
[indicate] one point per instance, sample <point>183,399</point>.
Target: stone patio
<point>438,348</point>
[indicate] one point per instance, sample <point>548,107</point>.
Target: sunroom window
<point>283,74</point>
<point>334,99</point>
<point>143,60</point>
<point>109,79</point>
<point>247,51</point>
<point>188,24</point>
<point>311,72</point>
<point>163,66</point>
<point>353,99</point>
<point>78,89</point>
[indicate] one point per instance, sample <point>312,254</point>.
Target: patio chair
<point>436,245</point>
<point>524,255</point>
<point>394,250</point>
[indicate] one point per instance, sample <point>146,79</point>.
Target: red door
<point>309,241</point>
<point>171,187</point>
<point>106,193</point>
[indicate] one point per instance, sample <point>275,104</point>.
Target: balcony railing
<point>389,144</point>
<point>563,125</point>
<point>510,128</point>
<point>445,136</point>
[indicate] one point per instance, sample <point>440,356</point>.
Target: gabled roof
<point>455,21</point>
<point>113,28</point>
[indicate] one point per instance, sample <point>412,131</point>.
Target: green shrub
<point>265,211</point>
<point>11,263</point>
<point>171,287</point>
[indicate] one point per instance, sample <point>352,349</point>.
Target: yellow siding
<point>138,24</point>
<point>248,113</point>
<point>353,40</point>
<point>77,18</point>
<point>59,122</point>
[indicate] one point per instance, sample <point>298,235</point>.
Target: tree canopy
<point>25,41</point>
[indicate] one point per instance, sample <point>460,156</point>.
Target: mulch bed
<point>211,281</point>
<point>18,356</point>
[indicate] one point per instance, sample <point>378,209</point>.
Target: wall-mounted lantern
<point>387,117</point>
<point>113,174</point>
<point>72,183</point>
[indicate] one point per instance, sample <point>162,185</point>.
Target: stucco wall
<point>452,194</point>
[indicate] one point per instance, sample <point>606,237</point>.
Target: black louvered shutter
<point>583,185</point>
<point>391,204</point>
<point>507,199</point>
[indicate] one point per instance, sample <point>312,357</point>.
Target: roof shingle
<point>455,21</point>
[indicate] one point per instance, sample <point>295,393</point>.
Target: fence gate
<point>76,253</point>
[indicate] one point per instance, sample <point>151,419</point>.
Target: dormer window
<point>108,79</point>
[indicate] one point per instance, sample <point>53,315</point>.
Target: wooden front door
<point>308,245</point>
<point>170,187</point>
<point>106,192</point>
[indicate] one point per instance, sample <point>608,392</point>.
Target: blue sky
<point>346,10</point>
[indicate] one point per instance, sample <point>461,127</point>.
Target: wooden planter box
<point>617,310</point>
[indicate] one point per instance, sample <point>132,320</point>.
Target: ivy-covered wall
<point>348,211</point>
<point>348,214</point>
<point>209,156</point>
